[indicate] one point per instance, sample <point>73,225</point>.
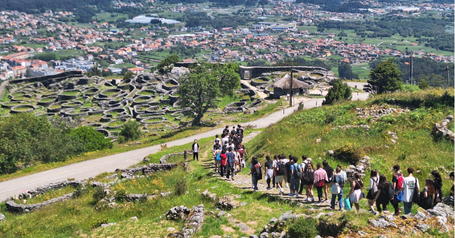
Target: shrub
<point>99,194</point>
<point>181,187</point>
<point>348,154</point>
<point>79,191</point>
<point>303,228</point>
<point>120,196</point>
<point>91,138</point>
<point>129,131</point>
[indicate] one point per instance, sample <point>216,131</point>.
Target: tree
<point>339,92</point>
<point>200,88</point>
<point>423,84</point>
<point>128,75</point>
<point>129,131</point>
<point>345,71</point>
<point>386,77</point>
<point>171,59</point>
<point>91,138</point>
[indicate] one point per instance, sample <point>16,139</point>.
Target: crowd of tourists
<point>302,177</point>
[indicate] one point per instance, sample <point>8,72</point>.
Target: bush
<point>130,131</point>
<point>79,191</point>
<point>99,194</point>
<point>181,187</point>
<point>120,196</point>
<point>303,228</point>
<point>348,154</point>
<point>91,138</point>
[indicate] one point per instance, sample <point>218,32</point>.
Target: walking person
<point>320,176</point>
<point>327,185</point>
<point>356,191</point>
<point>337,180</point>
<point>410,184</point>
<point>384,195</point>
<point>428,195</point>
<point>302,180</point>
<point>437,182</point>
<point>268,171</point>
<point>280,173</point>
<point>195,148</point>
<point>224,163</point>
<point>255,172</point>
<point>296,175</point>
<point>308,176</point>
<point>397,182</point>
<point>231,163</point>
<point>373,189</point>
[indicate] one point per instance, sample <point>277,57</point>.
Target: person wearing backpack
<point>231,163</point>
<point>223,162</point>
<point>337,184</point>
<point>320,176</point>
<point>308,176</point>
<point>280,173</point>
<point>397,182</point>
<point>384,195</point>
<point>268,171</point>
<point>373,189</point>
<point>256,173</point>
<point>410,191</point>
<point>302,180</point>
<point>296,175</point>
<point>356,191</point>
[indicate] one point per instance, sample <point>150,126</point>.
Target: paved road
<point>91,168</point>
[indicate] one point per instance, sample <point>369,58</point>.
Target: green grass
<point>5,97</point>
<point>413,129</point>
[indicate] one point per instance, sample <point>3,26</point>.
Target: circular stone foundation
<point>22,109</point>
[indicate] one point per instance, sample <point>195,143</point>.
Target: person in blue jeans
<point>339,178</point>
<point>295,180</point>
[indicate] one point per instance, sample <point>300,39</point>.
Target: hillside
<point>121,209</point>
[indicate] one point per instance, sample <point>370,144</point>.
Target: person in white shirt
<point>195,148</point>
<point>410,183</point>
<point>225,140</point>
<point>217,140</point>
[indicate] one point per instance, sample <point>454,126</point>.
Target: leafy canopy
<point>205,82</point>
<point>386,77</point>
<point>339,92</point>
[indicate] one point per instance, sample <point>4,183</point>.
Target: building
<point>283,86</point>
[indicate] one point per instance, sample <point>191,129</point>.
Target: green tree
<point>91,138</point>
<point>171,59</point>
<point>345,71</point>
<point>423,84</point>
<point>386,77</point>
<point>339,92</point>
<point>130,131</point>
<point>200,88</point>
<point>128,75</point>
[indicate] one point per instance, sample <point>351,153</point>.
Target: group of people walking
<point>301,178</point>
<point>229,152</point>
<point>283,172</point>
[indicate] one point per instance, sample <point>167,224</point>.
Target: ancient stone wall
<point>255,71</point>
<point>49,78</point>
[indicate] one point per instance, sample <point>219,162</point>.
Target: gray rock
<point>287,216</point>
<point>165,194</point>
<point>273,220</point>
<point>243,204</point>
<point>254,236</point>
<point>243,227</point>
<point>318,236</point>
<point>382,223</point>
<point>329,214</point>
<point>330,152</point>
<point>361,233</point>
<point>319,215</point>
<point>390,218</point>
<point>264,235</point>
<point>275,235</point>
<point>134,218</point>
<point>422,227</point>
<point>442,210</point>
<point>2,217</point>
<point>221,213</point>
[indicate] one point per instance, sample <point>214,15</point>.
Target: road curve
<point>91,168</point>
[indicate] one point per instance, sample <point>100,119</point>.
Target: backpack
<point>400,181</point>
<point>297,171</point>
<point>308,176</point>
<point>281,169</point>
<point>258,173</point>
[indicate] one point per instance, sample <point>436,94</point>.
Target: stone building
<point>283,86</point>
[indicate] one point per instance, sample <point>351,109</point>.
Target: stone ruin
<point>441,129</point>
<point>192,221</point>
<point>148,98</point>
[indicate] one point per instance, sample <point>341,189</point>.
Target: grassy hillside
<point>415,146</point>
<point>297,135</point>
